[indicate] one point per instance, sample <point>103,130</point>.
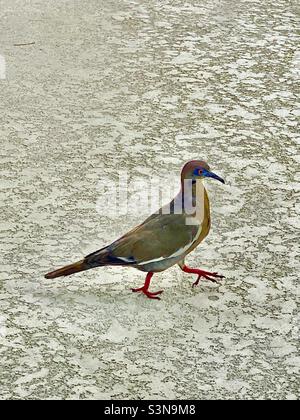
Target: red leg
<point>201,273</point>
<point>144,289</point>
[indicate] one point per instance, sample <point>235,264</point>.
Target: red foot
<point>144,289</point>
<point>201,273</point>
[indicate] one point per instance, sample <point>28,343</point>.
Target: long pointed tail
<point>68,269</point>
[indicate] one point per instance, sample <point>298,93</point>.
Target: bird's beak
<point>212,175</point>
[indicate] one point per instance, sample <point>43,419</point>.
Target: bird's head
<point>198,169</point>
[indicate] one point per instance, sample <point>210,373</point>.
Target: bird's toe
<point>138,289</point>
<point>195,284</point>
<point>150,295</point>
<point>153,295</point>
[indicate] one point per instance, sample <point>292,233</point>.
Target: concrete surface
<point>145,86</point>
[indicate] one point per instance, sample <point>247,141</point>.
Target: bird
<point>164,239</point>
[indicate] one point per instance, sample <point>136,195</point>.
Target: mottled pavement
<point>143,86</point>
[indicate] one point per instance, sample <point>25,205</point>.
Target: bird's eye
<point>200,171</point>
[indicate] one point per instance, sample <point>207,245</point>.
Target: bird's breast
<point>201,217</point>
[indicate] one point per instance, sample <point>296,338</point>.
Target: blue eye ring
<point>198,171</point>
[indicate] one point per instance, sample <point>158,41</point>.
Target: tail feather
<point>96,259</point>
<point>68,269</point>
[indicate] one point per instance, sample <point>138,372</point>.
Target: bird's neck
<point>192,187</point>
<point>193,193</point>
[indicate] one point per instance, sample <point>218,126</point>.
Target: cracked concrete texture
<point>145,86</point>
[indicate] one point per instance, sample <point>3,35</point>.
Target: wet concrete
<point>143,86</point>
